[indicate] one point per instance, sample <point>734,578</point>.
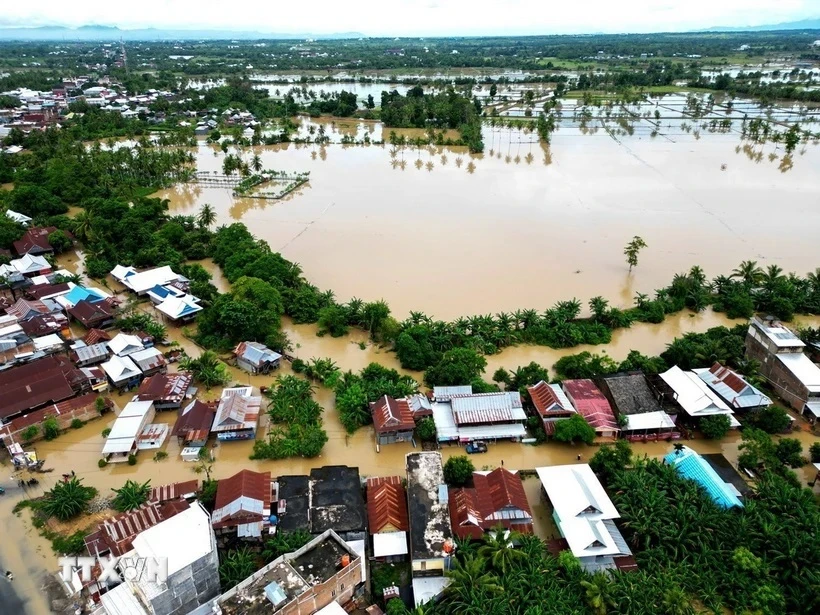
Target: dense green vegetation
<point>131,495</point>
<point>458,470</point>
<point>67,499</point>
<point>296,422</point>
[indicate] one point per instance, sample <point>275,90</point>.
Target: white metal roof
<point>183,539</point>
<point>386,544</point>
<point>177,307</point>
<point>426,589</point>
<point>589,537</point>
<point>120,368</point>
<point>803,369</point>
<point>145,280</point>
<point>648,420</point>
<point>120,272</point>
<point>749,397</point>
<point>136,408</point>
<point>47,341</point>
<point>125,344</point>
<point>814,408</point>
<point>692,394</point>
<point>128,427</point>
<point>780,335</point>
<point>575,491</point>
<point>121,601</point>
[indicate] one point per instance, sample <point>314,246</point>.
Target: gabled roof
<point>165,387</point>
<point>30,264</point>
<point>591,404</point>
<point>242,498</point>
<point>549,399</point>
<point>575,491</point>
<point>148,359</point>
<point>36,383</point>
<point>45,324</point>
<point>497,499</point>
<point>694,467</point>
<point>255,353</point>
<point>35,240</point>
<point>238,409</point>
<point>24,309</point>
<point>194,421</point>
<point>487,408</point>
<point>117,535</point>
<point>120,368</point>
<point>174,491</point>
<point>89,313</point>
<point>80,293</point>
<point>386,505</point>
<point>731,386</point>
<point>692,394</point>
<point>630,393</point>
<point>48,291</point>
<point>180,307</point>
<point>95,336</point>
<point>144,280</point>
<point>124,344</point>
<point>392,415</point>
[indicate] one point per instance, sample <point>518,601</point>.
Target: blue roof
<point>694,467</point>
<point>80,293</point>
<point>160,291</point>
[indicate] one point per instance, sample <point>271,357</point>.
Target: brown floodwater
<point>438,230</point>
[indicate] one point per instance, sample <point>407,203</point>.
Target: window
<point>332,593</point>
<point>424,565</point>
<point>342,587</point>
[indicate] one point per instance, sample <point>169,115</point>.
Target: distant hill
<point>803,24</point>
<point>110,33</point>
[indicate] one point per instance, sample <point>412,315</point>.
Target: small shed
<point>256,358</point>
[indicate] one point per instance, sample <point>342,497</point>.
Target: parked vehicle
<point>476,447</point>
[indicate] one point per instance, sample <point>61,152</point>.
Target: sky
<point>412,17</point>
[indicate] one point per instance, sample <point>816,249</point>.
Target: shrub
<point>716,426</point>
<point>102,463</point>
<point>69,545</point>
<point>773,419</point>
<point>30,432</point>
<point>76,424</point>
<point>99,404</point>
<point>458,470</point>
<point>67,499</point>
<point>814,452</point>
<point>298,366</point>
<point>51,429</point>
<point>574,429</point>
<point>131,495</point>
<point>132,460</point>
<point>105,432</point>
<point>160,455</point>
<point>426,429</point>
<point>789,451</point>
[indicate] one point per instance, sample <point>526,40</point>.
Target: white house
<point>694,396</point>
<point>30,265</point>
<point>123,344</point>
<point>122,439</point>
<point>143,281</point>
<point>122,372</point>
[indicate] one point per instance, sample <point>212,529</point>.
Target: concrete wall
<point>394,436</point>
<point>338,588</point>
<point>786,385</point>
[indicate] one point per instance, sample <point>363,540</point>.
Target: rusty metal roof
<point>386,505</point>
<point>174,491</point>
<point>164,387</point>
<point>392,415</point>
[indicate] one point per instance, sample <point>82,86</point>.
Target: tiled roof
<point>386,505</point>
<point>392,415</point>
<point>497,499</point>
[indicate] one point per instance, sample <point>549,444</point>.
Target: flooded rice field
<point>439,230</point>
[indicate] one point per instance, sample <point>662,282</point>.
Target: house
<point>92,315</point>
<point>95,336</point>
<point>592,405</point>
<point>24,309</point>
<point>122,372</point>
<point>649,427</point>
<point>237,414</point>
<point>18,217</point>
<point>693,396</point>
<point>116,535</point>
<point>585,517</point>
<point>33,385</point>
<point>462,416</point>
<point>256,358</point>
<point>179,310</point>
<point>48,344</point>
<point>431,535</point>
<point>187,544</point>
<point>387,518</point>
<point>691,465</point>
<point>30,265</point>
<point>149,361</point>
<point>194,423</point>
<point>35,241</point>
<point>48,291</point>
<point>167,391</point>
<point>732,388</point>
<point>782,362</point>
<point>124,344</point>
<point>142,282</point>
<point>158,293</point>
<point>243,505</point>
<point>551,404</point>
<point>324,571</point>
<point>123,438</point>
<point>47,324</point>
<point>96,378</point>
<point>84,356</point>
<point>629,394</point>
<point>330,498</point>
<point>497,500</point>
<point>392,420</point>
<point>81,293</point>
<point>420,406</point>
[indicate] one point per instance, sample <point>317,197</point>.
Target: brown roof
<point>36,383</point>
<point>44,324</point>
<point>194,421</point>
<point>47,290</point>
<point>247,484</point>
<point>23,308</point>
<point>476,510</point>
<point>34,239</point>
<point>386,505</point>
<point>95,336</point>
<point>728,377</point>
<point>66,407</point>
<point>174,491</point>
<point>164,387</point>
<point>90,313</point>
<point>545,400</point>
<point>117,535</point>
<point>392,415</point>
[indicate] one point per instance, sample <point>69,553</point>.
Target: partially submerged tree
<point>632,249</point>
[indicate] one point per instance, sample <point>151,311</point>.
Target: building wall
<point>428,567</point>
<point>245,366</point>
<point>394,436</point>
<point>787,386</point>
<point>338,588</point>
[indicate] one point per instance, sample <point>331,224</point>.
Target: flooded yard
<point>438,230</point>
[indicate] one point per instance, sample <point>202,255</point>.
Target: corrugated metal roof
<point>386,504</point>
<point>89,353</point>
<point>732,387</point>
<point>694,467</point>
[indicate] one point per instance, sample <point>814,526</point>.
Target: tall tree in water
<point>632,249</point>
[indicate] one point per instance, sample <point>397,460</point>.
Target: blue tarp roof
<point>80,293</point>
<point>694,467</point>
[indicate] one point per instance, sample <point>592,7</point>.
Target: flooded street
<point>438,230</point>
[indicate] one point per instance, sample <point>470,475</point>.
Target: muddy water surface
<point>441,231</point>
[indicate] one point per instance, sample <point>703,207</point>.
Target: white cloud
<point>414,17</point>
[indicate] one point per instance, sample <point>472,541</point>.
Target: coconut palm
<point>206,217</point>
<point>498,549</point>
<point>256,163</point>
<point>599,593</point>
<point>749,272</point>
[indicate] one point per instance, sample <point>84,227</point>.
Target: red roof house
<point>387,517</point>
<point>194,423</point>
<point>167,391</point>
<point>243,504</point>
<point>497,499</point>
<point>35,241</point>
<point>393,420</point>
<point>30,386</point>
<point>593,405</point>
<point>96,315</point>
<point>551,404</point>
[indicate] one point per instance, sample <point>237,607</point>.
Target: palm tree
<point>749,272</point>
<point>498,549</point>
<point>131,495</point>
<point>598,593</point>
<point>256,163</point>
<point>237,566</point>
<point>206,217</point>
<point>67,499</point>
<point>469,581</point>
